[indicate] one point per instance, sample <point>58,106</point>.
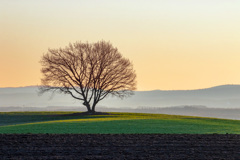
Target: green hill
<point>115,123</point>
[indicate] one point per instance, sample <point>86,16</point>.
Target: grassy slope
<point>48,122</point>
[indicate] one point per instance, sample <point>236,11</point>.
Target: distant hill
<point>225,96</point>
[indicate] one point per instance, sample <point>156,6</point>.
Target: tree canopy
<point>88,72</point>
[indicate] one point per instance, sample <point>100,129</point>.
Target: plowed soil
<point>119,146</point>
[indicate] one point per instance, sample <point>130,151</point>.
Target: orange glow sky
<point>174,44</point>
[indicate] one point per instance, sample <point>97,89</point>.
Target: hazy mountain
<point>220,101</point>
<point>226,96</point>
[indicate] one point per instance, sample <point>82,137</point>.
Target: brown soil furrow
<point>119,146</point>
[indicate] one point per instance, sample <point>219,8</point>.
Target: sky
<point>173,44</point>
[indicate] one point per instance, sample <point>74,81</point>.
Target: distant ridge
<point>224,96</point>
<point>225,86</point>
<point>18,87</point>
<point>218,101</point>
<point>219,86</point>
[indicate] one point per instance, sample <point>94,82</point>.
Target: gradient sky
<point>173,44</point>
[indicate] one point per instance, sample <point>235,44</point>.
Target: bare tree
<point>88,72</point>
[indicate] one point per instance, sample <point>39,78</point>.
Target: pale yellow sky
<point>187,44</point>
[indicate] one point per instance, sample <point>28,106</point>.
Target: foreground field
<point>120,146</point>
<point>115,123</point>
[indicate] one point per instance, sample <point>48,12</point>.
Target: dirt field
<point>121,146</point>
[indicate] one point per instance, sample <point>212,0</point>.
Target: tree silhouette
<point>88,72</point>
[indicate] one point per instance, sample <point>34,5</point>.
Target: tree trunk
<point>88,106</point>
<point>93,107</point>
<point>90,110</point>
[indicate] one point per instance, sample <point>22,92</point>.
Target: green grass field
<point>128,123</point>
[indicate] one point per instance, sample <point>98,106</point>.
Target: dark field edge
<point>120,146</point>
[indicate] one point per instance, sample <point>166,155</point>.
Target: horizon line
<point>142,90</point>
